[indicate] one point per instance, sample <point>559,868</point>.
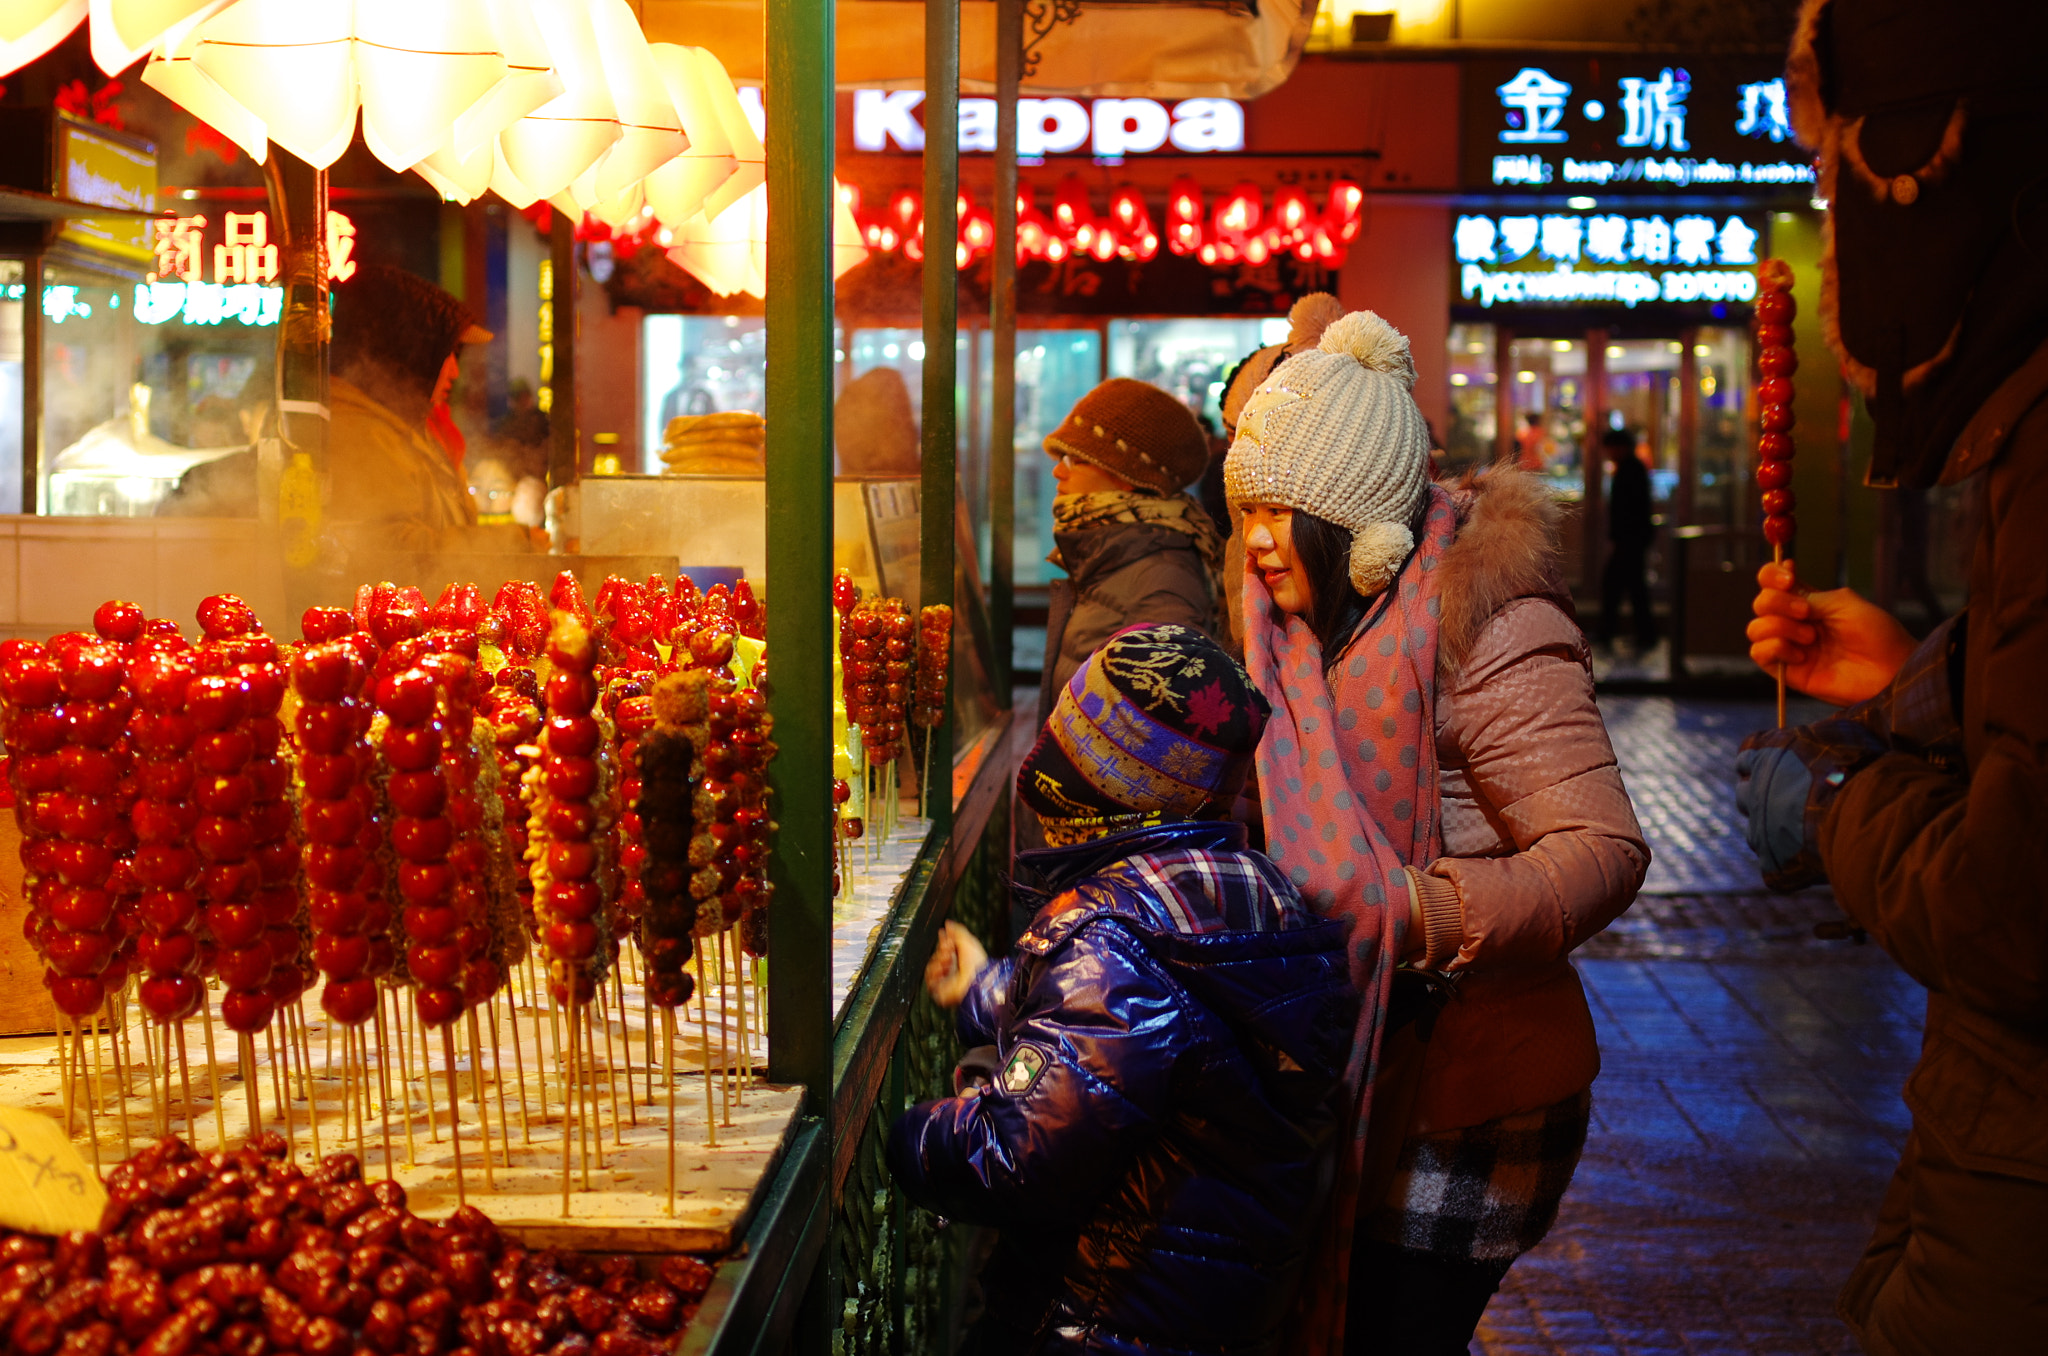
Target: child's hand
<point>955,961</point>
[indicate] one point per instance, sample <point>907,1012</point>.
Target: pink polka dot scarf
<point>1348,782</point>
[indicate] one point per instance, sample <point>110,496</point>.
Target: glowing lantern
<point>29,28</point>
<point>1034,232</point>
<point>729,252</point>
<point>1256,251</point>
<point>650,134</point>
<point>173,73</point>
<point>287,63</point>
<point>1084,237</point>
<point>1184,202</point>
<point>1104,244</point>
<point>1291,212</point>
<point>1240,211</point>
<point>545,151</point>
<point>1056,249</point>
<point>1071,209</point>
<point>1126,209</point>
<point>1146,249</point>
<point>123,31</point>
<point>1345,214</point>
<point>696,84</point>
<point>1209,255</point>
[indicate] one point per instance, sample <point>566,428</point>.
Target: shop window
<point>1643,397</point>
<point>1055,368</point>
<point>1721,494</point>
<point>1546,404</point>
<point>698,364</point>
<point>1190,358</point>
<point>141,383</point>
<point>1469,437</point>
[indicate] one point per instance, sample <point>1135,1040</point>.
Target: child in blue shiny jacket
<point>1157,1131</point>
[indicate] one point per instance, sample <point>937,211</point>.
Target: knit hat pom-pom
<point>1374,343</point>
<point>1377,550</point>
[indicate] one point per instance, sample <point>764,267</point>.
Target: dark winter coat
<point>1118,575</point>
<point>1945,862</point>
<point>1169,1034</point>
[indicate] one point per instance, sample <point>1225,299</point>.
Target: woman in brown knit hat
<point>1135,548</point>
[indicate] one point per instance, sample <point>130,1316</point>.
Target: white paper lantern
<point>290,63</point>
<point>650,132</point>
<point>29,28</point>
<point>746,147</point>
<point>124,31</point>
<point>529,82</point>
<point>677,191</point>
<point>729,252</point>
<point>419,67</point>
<point>173,73</point>
<point>548,148</point>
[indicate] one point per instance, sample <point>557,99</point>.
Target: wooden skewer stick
<point>454,1113</point>
<point>306,1072</point>
<point>185,1082</point>
<point>498,1078</point>
<point>568,1129</point>
<point>647,1030</point>
<point>724,1042</point>
<point>668,1047</point>
<point>404,1066</point>
<point>384,1100</point>
<point>121,1080</point>
<point>427,1079</point>
<point>626,1043</point>
<point>587,1090</point>
<point>64,1070</point>
<point>483,1108</point>
<point>704,1028</point>
<point>519,1063</point>
<point>250,1079</point>
<point>281,1087</point>
<point>739,998</point>
<point>357,1073</point>
<point>270,1047</point>
<point>611,1073</point>
<point>1778,558</point>
<point>92,1120</point>
<point>156,1110</point>
<point>220,1113</point>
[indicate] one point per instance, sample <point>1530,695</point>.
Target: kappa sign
<point>883,120</point>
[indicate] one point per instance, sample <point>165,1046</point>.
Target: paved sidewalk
<point>1748,1113</point>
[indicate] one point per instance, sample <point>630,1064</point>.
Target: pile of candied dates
<point>244,1253</point>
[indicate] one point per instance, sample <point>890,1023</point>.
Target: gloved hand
<point>1785,782</point>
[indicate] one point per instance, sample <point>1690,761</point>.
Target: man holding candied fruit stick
<point>1924,801</point>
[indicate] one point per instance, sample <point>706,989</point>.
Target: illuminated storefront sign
<point>1575,259</point>
<point>158,303</point>
<point>245,252</point>
<point>1577,124</point>
<point>884,120</point>
<point>99,167</point>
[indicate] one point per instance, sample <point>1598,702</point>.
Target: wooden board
<point>25,1004</point>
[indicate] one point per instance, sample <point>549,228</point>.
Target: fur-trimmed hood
<point>1506,548</point>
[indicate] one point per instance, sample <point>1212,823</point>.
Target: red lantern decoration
<point>1071,209</point>
<point>1291,213</point>
<point>1345,213</point>
<point>1104,245</point>
<point>1256,251</point>
<point>1126,209</point>
<point>906,209</point>
<point>1240,212</point>
<point>1184,216</point>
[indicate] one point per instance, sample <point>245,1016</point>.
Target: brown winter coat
<point>1948,870</point>
<point>1541,846</point>
<point>1118,575</point>
<point>393,488</point>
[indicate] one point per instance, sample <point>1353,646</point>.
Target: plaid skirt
<point>1488,1192</point>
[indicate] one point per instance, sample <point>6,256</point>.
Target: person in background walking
<point>1923,802</point>
<point>1435,772</point>
<point>1155,1124</point>
<point>1629,530</point>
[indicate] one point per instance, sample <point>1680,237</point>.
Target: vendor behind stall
<point>396,339</point>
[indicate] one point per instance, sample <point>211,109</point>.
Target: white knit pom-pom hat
<point>1335,432</point>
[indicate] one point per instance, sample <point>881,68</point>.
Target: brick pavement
<point>1747,1115</point>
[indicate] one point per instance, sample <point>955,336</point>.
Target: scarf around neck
<point>1348,781</point>
<point>1180,513</point>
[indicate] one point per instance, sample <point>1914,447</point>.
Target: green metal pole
<point>1002,329</point>
<point>799,400</point>
<point>941,324</point>
<point>565,448</point>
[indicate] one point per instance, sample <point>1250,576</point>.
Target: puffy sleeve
<point>1536,755</point>
<point>1088,1058</point>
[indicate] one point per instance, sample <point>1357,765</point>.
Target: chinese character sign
<point>1574,258</point>
<point>1655,111</point>
<point>180,251</point>
<point>1763,112</point>
<point>248,256</point>
<point>1535,104</point>
<point>245,254</point>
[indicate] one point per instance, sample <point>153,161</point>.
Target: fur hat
<point>1306,320</point>
<point>1158,724</point>
<point>1136,432</point>
<point>1336,433</point>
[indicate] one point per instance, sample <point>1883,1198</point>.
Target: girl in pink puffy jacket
<point>1436,771</point>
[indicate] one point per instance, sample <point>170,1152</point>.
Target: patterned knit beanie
<point>1157,725</point>
<point>1136,432</point>
<point>1335,432</point>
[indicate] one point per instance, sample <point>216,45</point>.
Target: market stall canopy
<point>1114,47</point>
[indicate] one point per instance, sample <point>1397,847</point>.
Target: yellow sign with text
<point>45,1186</point>
<point>95,167</point>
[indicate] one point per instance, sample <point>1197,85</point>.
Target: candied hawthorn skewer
<point>351,923</point>
<point>934,667</point>
<point>1776,362</point>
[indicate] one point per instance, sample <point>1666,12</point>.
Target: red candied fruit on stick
<point>118,621</point>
